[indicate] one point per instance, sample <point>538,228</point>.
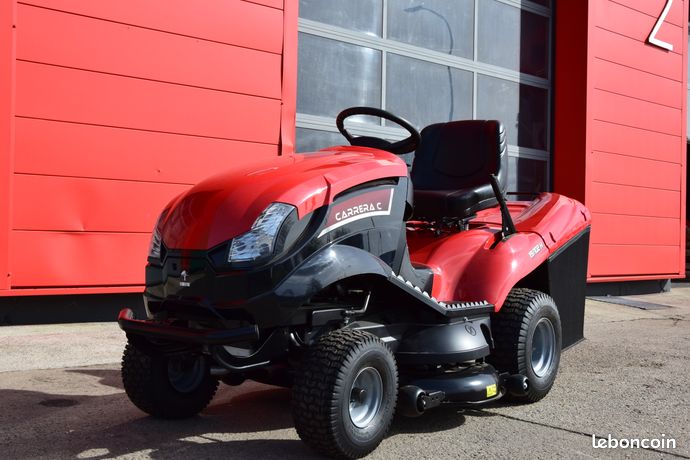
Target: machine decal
<point>184,276</point>
<point>370,204</point>
<point>491,390</point>
<point>536,250</point>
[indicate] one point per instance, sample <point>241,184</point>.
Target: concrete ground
<point>61,397</point>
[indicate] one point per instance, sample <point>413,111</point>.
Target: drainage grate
<point>629,302</point>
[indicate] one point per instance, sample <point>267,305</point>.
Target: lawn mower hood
<point>228,204</point>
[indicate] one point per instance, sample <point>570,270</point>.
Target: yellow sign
<point>491,390</point>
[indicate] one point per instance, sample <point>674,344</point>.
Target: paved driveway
<point>61,397</point>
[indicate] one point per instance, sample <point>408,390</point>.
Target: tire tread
<point>510,329</point>
<point>143,387</point>
<point>315,409</point>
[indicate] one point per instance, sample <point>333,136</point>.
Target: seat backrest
<point>460,154</point>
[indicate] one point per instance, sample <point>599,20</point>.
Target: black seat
<point>451,168</point>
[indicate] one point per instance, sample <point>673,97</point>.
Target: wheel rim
<point>186,373</point>
<point>366,394</point>
<point>543,347</point>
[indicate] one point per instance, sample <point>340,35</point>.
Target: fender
<point>492,272</point>
<point>486,267</point>
<point>339,262</point>
<point>329,265</point>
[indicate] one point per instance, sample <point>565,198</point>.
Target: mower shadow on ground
<point>439,419</point>
<point>244,422</point>
<point>446,417</point>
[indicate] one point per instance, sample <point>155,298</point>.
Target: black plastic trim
<point>151,329</point>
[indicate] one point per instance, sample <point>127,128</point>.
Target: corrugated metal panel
<point>652,8</point>
<point>635,121</point>
<point>639,86</point>
<point>606,136</point>
<point>634,230</point>
<point>73,204</point>
<point>104,46</point>
<point>247,24</point>
<point>77,96</point>
<point>62,259</point>
<point>120,106</point>
<point>7,49</point>
<point>638,113</point>
<point>625,261</point>
<point>79,150</point>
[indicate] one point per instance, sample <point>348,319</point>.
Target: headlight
<point>260,241</point>
<point>156,239</point>
<point>155,245</point>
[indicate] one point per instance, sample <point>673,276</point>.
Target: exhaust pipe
<point>413,401</point>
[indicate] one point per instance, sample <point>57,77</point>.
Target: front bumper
<point>157,330</point>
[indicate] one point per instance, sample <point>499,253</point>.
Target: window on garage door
<point>430,61</point>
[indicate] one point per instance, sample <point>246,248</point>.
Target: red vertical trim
<point>289,107</point>
<point>571,123</point>
<point>570,105</point>
<point>7,84</point>
<point>684,154</point>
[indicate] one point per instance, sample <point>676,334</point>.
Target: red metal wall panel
<point>77,259</point>
<point>611,168</point>
<point>247,24</point>
<point>62,94</point>
<point>635,230</point>
<point>271,3</point>
<point>145,53</point>
<point>606,137</point>
<point>7,52</point>
<point>653,8</point>
<point>636,54</point>
<point>624,18</point>
<point>634,153</point>
<point>638,113</point>
<point>119,107</point>
<point>635,83</point>
<point>78,150</point>
<point>624,261</point>
<point>54,203</point>
<point>626,200</point>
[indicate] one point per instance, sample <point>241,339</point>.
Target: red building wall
<point>620,122</point>
<point>109,109</point>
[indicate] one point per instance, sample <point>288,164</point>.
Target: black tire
<point>167,387</point>
<point>321,399</point>
<point>513,329</point>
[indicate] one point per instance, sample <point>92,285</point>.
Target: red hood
<point>226,205</point>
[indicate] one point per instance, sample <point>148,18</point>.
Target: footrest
<point>449,309</point>
<point>468,308</point>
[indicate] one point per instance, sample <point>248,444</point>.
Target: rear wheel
<point>167,386</point>
<point>345,393</point>
<point>527,338</point>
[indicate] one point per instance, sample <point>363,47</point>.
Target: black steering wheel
<point>406,145</point>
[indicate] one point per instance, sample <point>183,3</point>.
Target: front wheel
<point>167,386</point>
<point>527,337</point>
<point>345,394</point>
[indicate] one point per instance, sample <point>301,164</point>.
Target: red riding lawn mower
<point>364,288</point>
